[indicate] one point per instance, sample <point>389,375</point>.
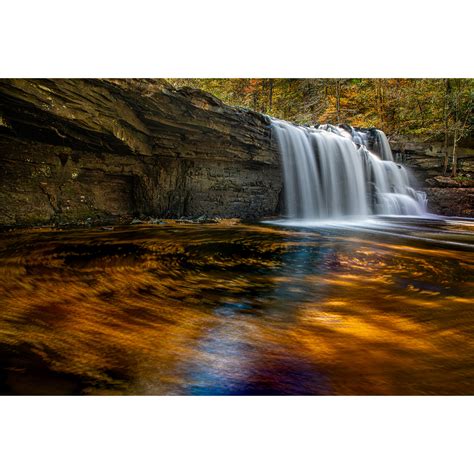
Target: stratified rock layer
<point>446,196</point>
<point>75,150</point>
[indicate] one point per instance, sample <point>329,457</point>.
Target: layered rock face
<point>82,150</point>
<point>446,196</point>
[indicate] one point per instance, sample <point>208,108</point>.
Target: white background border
<point>248,38</point>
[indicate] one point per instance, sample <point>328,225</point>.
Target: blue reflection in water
<point>231,309</point>
<point>237,366</point>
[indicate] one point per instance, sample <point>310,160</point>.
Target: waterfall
<point>382,146</point>
<point>329,173</point>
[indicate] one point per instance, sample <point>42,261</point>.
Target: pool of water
<point>373,307</point>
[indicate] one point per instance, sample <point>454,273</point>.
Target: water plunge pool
<point>383,306</point>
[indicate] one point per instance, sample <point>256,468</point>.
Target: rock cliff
<point>446,196</point>
<point>98,150</point>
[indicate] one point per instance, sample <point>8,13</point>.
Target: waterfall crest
<point>329,173</point>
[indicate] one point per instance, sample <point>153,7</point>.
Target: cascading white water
<point>382,146</point>
<point>329,173</point>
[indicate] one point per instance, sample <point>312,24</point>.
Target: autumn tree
<point>458,103</point>
<point>427,109</point>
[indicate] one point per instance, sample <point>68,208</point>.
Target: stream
<point>380,306</point>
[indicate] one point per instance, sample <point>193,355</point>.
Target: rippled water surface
<point>381,307</point>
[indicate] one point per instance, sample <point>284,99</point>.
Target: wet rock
<point>206,220</point>
<point>451,201</point>
<point>197,220</point>
<point>155,221</point>
<point>449,182</point>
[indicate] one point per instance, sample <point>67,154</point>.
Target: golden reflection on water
<point>233,309</point>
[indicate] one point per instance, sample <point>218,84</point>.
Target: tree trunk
<point>457,131</point>
<point>263,106</point>
<point>338,100</point>
<point>446,126</point>
<point>455,158</point>
<point>270,95</point>
<point>378,100</point>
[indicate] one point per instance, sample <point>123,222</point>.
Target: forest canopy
<point>427,108</point>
